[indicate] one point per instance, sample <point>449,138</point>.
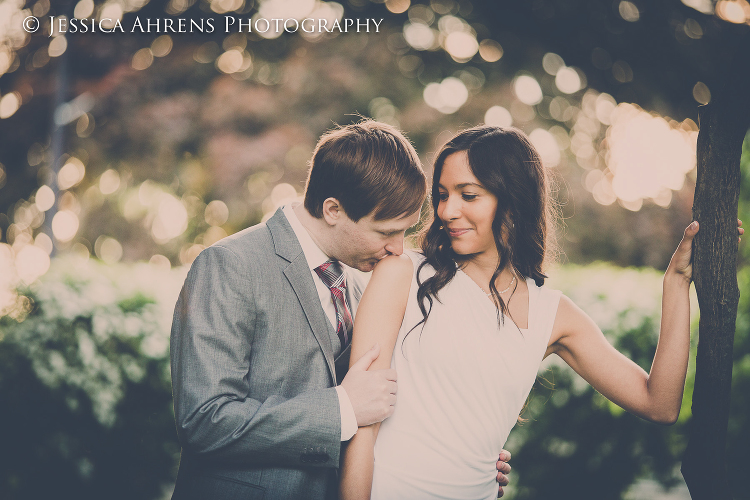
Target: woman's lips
<point>455,233</point>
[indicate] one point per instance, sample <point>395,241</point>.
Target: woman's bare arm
<point>378,320</point>
<point>656,396</point>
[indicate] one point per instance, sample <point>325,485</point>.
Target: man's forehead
<point>400,223</point>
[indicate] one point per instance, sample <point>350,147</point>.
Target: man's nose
<point>396,245</point>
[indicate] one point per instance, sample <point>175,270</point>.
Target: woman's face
<point>466,208</point>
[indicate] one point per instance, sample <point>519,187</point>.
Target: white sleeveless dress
<point>462,382</point>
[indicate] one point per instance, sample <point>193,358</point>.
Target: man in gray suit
<point>261,330</point>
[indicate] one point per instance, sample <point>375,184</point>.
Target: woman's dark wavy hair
<point>507,165</point>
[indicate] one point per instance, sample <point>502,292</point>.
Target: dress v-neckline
<point>489,299</point>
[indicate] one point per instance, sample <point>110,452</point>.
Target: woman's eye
<point>469,197</point>
<point>443,196</point>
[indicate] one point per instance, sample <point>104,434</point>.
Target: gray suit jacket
<point>253,372</point>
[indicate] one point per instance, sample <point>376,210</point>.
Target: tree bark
<point>723,125</point>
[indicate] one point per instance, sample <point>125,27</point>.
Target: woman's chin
<point>463,249</point>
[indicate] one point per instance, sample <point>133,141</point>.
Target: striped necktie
<point>332,275</point>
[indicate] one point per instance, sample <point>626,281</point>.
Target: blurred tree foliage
<point>163,109</point>
<point>85,371</point>
<point>84,374</point>
<point>179,152</point>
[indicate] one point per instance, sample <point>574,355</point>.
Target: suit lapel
<point>298,274</point>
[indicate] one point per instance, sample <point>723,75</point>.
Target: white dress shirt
<point>315,257</point>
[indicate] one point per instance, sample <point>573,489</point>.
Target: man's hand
<point>503,469</point>
<point>372,393</point>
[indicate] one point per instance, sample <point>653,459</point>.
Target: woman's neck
<point>481,268</point>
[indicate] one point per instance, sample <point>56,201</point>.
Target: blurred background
<point>126,151</point>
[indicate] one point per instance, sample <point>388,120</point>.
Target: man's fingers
<point>503,468</point>
<point>390,374</point>
<point>504,456</point>
<point>365,361</point>
<point>502,479</point>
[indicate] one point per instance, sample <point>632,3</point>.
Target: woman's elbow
<point>663,416</point>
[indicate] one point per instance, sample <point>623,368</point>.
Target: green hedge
<point>84,374</point>
<point>84,380</point>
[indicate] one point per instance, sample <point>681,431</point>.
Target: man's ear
<point>332,211</point>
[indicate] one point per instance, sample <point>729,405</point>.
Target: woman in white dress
<point>468,321</point>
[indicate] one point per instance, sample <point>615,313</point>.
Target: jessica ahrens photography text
<point>63,25</point>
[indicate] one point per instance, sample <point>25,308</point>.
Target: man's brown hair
<point>370,168</point>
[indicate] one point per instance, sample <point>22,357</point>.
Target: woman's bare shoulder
<point>394,265</point>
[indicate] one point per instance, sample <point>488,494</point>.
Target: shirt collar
<point>313,254</point>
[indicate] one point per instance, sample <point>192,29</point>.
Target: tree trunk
<point>723,125</point>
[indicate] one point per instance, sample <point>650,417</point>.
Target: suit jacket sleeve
<point>211,344</point>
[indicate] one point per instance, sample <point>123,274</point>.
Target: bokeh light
<point>461,45</point>
<point>447,96</point>
<point>57,46</point>
<point>701,93</point>
<point>733,11</point>
<point>9,104</point>
<point>224,6</point>
<point>231,61</point>
<point>142,59</point>
<point>283,193</point>
<point>160,261</point>
<point>552,63</point>
<point>171,219</point>
<point>629,11</point>
<point>31,263</point>
<point>397,6</point>
<point>622,72</point>
<point>702,6</point>
<point>162,46</point>
<point>605,105</point>
<point>498,116</point>
<point>44,198</point>
<point>213,234</point>
<point>110,13</point>
<point>7,275</point>
<point>71,174</point>
<point>44,242</point>
<point>109,182</point>
<point>693,29</point>
<point>84,9</point>
<point>65,225</point>
<point>646,155</point>
<point>327,11</point>
<point>527,90</point>
<point>490,50</point>
<point>420,36</point>
<point>547,146</point>
<point>108,249</point>
<point>285,9</point>
<point>567,80</point>
<point>217,213</point>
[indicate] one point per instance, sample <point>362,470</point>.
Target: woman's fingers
<point>740,230</point>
